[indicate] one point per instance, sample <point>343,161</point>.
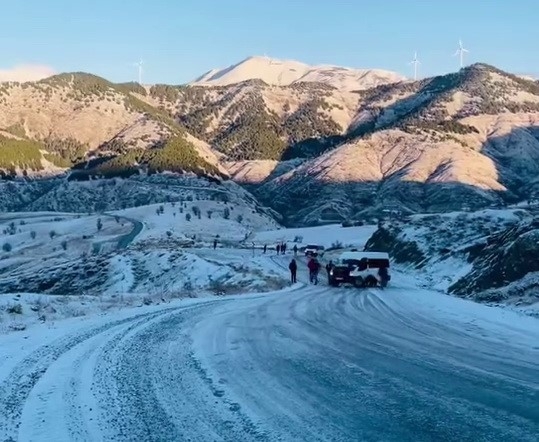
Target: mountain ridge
<point>469,135</point>
<point>422,145</point>
<point>278,72</point>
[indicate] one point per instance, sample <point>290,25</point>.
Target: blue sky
<point>181,39</point>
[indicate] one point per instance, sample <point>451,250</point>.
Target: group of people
<point>281,249</point>
<point>314,268</point>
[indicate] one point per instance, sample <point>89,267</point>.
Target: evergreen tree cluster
<point>175,155</point>
<point>22,154</point>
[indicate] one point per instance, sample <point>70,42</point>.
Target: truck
<point>361,269</point>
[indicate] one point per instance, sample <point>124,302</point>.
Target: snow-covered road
<point>312,363</point>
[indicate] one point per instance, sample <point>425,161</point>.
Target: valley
<point>138,262</point>
<point>443,170</point>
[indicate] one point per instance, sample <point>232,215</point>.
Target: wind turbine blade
<point>465,50</point>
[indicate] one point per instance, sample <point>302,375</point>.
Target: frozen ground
<point>239,223</point>
<point>308,363</point>
<point>63,265</point>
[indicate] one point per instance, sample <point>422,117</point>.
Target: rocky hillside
<point>77,196</point>
<point>83,121</point>
<point>489,256</point>
<point>506,267</point>
<point>464,139</point>
<point>252,120</point>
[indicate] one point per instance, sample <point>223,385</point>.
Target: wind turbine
<point>139,65</point>
<point>461,51</point>
<point>415,62</point>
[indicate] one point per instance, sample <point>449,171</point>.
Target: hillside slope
<point>64,121</point>
<point>487,256</point>
<point>252,120</point>
<point>76,196</point>
<point>469,139</point>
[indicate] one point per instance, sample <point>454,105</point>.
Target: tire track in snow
<point>156,392</point>
<point>347,365</point>
<point>68,381</point>
<point>16,388</point>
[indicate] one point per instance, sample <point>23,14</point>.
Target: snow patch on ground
<point>230,222</point>
<point>93,263</point>
<point>326,236</point>
<point>153,278</point>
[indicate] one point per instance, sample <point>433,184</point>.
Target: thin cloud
<point>26,72</point>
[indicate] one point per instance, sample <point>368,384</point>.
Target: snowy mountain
<point>311,151</point>
<point>286,72</point>
<point>464,139</point>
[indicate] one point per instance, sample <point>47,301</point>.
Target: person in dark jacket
<point>265,248</point>
<point>215,243</point>
<point>384,276</point>
<point>293,271</point>
<point>295,250</point>
<point>278,248</point>
<point>314,267</point>
<point>283,248</point>
<point>329,266</point>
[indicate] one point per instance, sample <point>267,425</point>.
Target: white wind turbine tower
<point>415,62</point>
<point>461,51</point>
<point>139,65</point>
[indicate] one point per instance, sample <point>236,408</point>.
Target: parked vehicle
<point>362,269</point>
<point>313,250</point>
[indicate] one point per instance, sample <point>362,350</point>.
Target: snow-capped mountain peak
<point>286,72</point>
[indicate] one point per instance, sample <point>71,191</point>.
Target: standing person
<point>384,276</point>
<point>313,266</point>
<point>265,248</point>
<point>295,250</point>
<point>214,243</point>
<point>316,270</point>
<point>283,248</point>
<point>293,271</point>
<point>278,248</point>
<point>329,266</point>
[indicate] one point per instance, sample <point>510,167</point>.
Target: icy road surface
<point>313,364</point>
